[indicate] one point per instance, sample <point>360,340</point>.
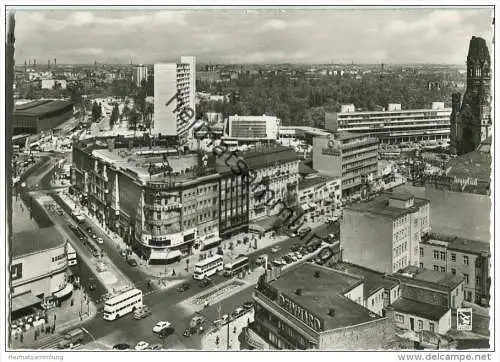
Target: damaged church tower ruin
<point>471,119</point>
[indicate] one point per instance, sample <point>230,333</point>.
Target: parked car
<point>225,318</point>
<point>94,236</point>
<point>132,262</point>
<point>248,305</point>
<point>299,255</point>
<point>72,339</point>
<point>160,326</point>
<point>121,346</point>
<point>294,258</point>
<point>142,312</point>
<point>141,346</point>
<point>123,252</point>
<point>183,287</point>
<point>287,259</point>
<point>237,312</point>
<point>155,347</point>
<point>89,230</point>
<point>99,240</point>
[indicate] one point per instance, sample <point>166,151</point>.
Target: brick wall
<point>372,335</point>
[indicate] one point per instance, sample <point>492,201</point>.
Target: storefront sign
<point>301,313</point>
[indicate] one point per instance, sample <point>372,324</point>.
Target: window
<point>16,271</point>
<point>399,318</point>
<point>436,268</point>
<point>420,324</point>
<point>431,327</point>
<point>435,254</point>
<point>466,260</point>
<point>478,280</point>
<point>453,257</point>
<point>421,251</point>
<point>466,276</point>
<point>443,269</point>
<point>442,255</point>
<point>453,271</point>
<point>421,265</point>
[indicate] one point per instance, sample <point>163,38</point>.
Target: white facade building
<point>141,73</point>
<point>253,128</point>
<point>175,97</point>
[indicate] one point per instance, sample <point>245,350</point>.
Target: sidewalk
<point>112,278</point>
<point>63,317</point>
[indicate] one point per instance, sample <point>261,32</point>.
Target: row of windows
<point>442,269</point>
<point>400,264</point>
<point>441,255</point>
<point>420,323</point>
<point>400,249</point>
<point>133,298</point>
<point>59,257</point>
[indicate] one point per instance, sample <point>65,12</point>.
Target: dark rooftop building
<point>30,242</point>
<point>41,115</point>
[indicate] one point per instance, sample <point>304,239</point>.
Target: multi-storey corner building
<point>313,307</point>
<point>175,91</point>
<point>274,178</point>
<point>140,74</point>
<point>469,259</point>
<point>38,270</point>
<point>319,194</point>
<point>394,125</point>
<point>384,234</point>
<point>354,157</point>
<point>161,202</point>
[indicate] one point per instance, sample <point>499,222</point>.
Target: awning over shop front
<point>173,254</point>
<point>210,242</point>
<point>64,292</point>
<point>24,301</point>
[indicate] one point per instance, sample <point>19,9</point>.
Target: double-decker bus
<point>208,267</point>
<point>237,266</point>
<point>121,304</point>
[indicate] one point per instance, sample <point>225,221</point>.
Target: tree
<point>133,119</point>
<point>96,111</point>
<point>115,114</point>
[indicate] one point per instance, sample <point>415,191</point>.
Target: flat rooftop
<point>419,309</point>
<point>426,278</point>
<point>40,108</point>
<point>373,280</point>
<point>461,244</point>
<point>380,206</point>
<point>316,180</point>
<point>141,160</point>
<point>35,241</point>
<point>319,295</point>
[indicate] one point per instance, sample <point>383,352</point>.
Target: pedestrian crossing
<point>50,342</point>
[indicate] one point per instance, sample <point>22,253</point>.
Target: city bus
<point>208,267</point>
<point>71,255</point>
<point>237,266</point>
<point>121,304</point>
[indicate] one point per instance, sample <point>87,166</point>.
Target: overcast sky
<point>251,36</point>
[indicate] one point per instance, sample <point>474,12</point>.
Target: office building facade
<point>354,157</point>
<point>175,98</point>
<point>253,128</point>
<point>384,234</point>
<point>140,74</point>
<point>394,125</point>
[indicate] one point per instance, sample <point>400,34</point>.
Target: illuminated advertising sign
<point>301,313</point>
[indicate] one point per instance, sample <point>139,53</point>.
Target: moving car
<point>275,249</point>
<point>99,240</point>
<point>237,312</point>
<point>132,262</point>
<point>261,259</point>
<point>248,304</point>
<point>94,236</point>
<point>187,332</point>
<point>225,318</point>
<point>72,339</point>
<point>141,346</point>
<point>155,347</point>
<point>142,312</point>
<point>160,326</point>
<point>183,287</point>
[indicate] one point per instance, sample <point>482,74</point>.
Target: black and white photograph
<point>249,178</point>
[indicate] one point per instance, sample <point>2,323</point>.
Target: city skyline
<point>361,35</point>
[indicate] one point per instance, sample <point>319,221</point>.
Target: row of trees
<point>303,101</point>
